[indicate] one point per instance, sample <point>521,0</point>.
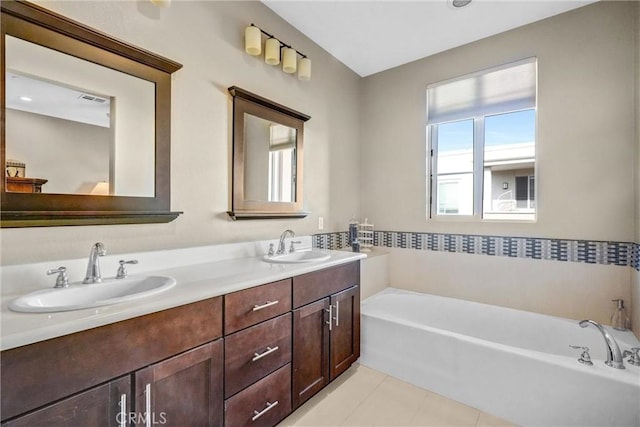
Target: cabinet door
<point>345,330</point>
<point>106,405</point>
<point>185,390</point>
<point>310,350</point>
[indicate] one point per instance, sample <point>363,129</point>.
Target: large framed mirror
<point>267,160</point>
<point>86,119</point>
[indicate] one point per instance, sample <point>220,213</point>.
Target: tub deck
<point>514,364</point>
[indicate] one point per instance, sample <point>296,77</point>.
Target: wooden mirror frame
<point>38,25</point>
<point>241,208</point>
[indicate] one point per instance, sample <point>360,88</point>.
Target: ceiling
<point>370,36</point>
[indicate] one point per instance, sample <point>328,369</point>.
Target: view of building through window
<point>508,166</point>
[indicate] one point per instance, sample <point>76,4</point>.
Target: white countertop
<point>194,283</point>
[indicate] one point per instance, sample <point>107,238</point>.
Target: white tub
<point>510,363</point>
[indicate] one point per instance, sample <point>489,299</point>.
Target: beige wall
<point>565,289</point>
<point>585,163</point>
<point>585,133</point>
<point>207,38</point>
<point>72,156</point>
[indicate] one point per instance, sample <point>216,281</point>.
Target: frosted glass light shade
<point>161,3</point>
<point>272,51</point>
<point>304,69</point>
<point>252,40</point>
<point>289,63</point>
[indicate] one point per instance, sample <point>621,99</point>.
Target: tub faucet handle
<point>584,357</point>
<point>634,356</point>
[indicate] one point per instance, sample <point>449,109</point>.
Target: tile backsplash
<point>625,254</point>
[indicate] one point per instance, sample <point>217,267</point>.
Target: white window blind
<point>510,87</point>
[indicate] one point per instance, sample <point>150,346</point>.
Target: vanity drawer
<point>263,404</point>
<point>255,352</point>
<point>316,285</point>
<point>250,306</point>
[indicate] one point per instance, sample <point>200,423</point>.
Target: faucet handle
<point>634,356</point>
<point>122,271</point>
<point>62,281</point>
<point>271,250</point>
<point>296,242</point>
<point>584,357</point>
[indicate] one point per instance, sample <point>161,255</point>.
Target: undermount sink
<point>78,296</point>
<point>297,257</point>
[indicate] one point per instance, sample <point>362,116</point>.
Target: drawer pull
<point>123,410</point>
<point>147,398</point>
<point>265,305</point>
<point>337,313</point>
<point>264,411</point>
<point>268,351</point>
<point>330,311</point>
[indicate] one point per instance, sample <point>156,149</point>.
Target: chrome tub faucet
<point>93,268</point>
<point>614,356</point>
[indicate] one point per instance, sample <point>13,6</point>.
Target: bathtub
<point>510,363</point>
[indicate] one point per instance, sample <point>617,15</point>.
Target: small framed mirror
<point>267,160</point>
<point>86,124</point>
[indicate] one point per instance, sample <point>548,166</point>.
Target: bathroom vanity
<point>247,357</point>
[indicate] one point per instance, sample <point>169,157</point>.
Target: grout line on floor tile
<point>364,399</point>
<point>477,417</point>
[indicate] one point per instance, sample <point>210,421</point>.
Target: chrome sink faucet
<point>93,268</point>
<point>283,236</point>
<point>614,356</point>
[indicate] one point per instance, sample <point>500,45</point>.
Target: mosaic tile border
<point>588,251</point>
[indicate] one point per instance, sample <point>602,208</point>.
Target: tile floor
<point>365,397</point>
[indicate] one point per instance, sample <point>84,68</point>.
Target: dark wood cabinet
<point>310,350</point>
<point>282,343</point>
<point>251,306</point>
<point>107,405</point>
<point>345,331</point>
<point>263,404</point>
<point>256,352</point>
<point>326,332</point>
<point>185,390</point>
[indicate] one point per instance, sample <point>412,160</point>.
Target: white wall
<point>207,38</point>
<point>586,144</point>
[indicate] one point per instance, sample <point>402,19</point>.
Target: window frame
<point>478,172</point>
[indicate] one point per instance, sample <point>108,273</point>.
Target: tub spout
<point>614,356</point>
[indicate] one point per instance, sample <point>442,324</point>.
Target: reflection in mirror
<point>133,166</point>
<point>267,158</point>
<point>270,160</point>
<point>80,127</point>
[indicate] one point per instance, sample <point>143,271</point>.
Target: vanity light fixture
<point>161,3</point>
<point>275,51</point>
<point>460,3</point>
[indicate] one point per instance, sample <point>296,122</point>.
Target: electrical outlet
<point>320,223</point>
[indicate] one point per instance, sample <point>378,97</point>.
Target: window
<point>481,137</point>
